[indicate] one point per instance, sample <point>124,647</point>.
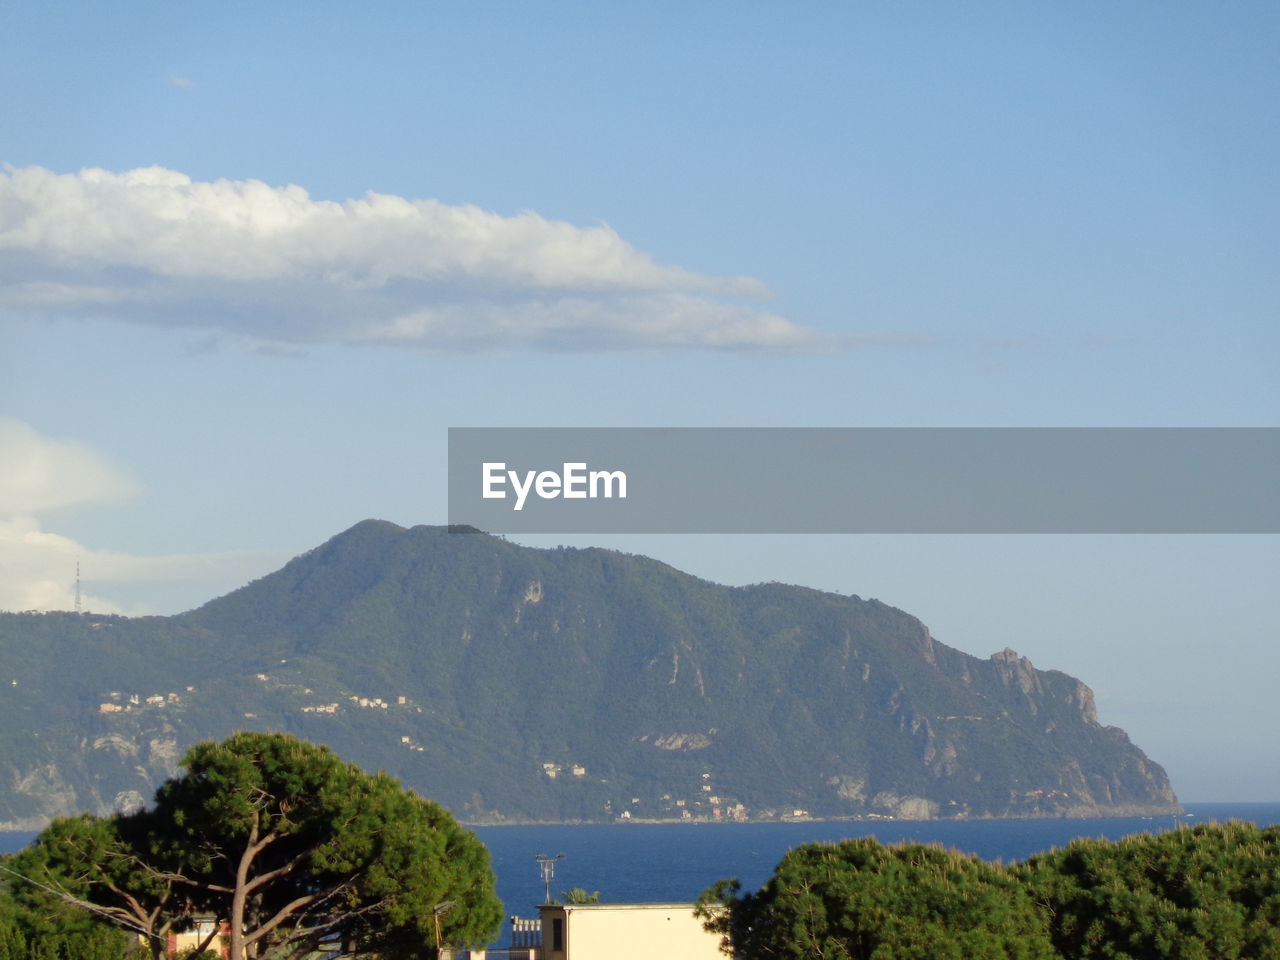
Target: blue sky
<point>256,259</point>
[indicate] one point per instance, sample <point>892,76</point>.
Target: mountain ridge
<point>520,684</point>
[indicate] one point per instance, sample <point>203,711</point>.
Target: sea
<point>675,862</point>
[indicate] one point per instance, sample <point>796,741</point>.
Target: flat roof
<point>680,905</point>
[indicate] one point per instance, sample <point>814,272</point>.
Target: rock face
<point>512,683</point>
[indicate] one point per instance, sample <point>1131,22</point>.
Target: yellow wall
<point>628,931</point>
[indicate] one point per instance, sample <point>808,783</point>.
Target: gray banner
<point>820,480</point>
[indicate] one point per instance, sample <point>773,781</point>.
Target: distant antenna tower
<point>78,610</point>
<point>548,865</point>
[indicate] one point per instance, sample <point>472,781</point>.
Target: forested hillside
<point>512,683</point>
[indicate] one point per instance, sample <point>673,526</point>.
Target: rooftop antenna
<point>548,865</point>
<point>78,610</point>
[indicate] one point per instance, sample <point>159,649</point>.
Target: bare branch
<point>213,934</point>
<point>281,916</point>
<point>280,871</point>
<point>315,934</point>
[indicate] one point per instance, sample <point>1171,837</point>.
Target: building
<point>625,931</point>
<point>178,944</point>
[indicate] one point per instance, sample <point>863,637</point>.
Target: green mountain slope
<point>514,683</point>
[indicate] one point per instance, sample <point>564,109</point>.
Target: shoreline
<point>1126,813</point>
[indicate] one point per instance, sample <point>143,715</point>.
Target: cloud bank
<point>38,473</point>
<point>37,567</point>
<point>270,263</point>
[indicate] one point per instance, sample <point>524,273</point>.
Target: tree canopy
<point>288,844</point>
<point>1208,893</point>
<point>578,895</point>
<point>860,900</point>
<point>53,931</point>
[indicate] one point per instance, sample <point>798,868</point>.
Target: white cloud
<point>674,320</point>
<point>37,567</point>
<point>39,474</point>
<point>38,571</point>
<point>273,264</point>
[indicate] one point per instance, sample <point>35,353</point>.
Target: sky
<point>256,259</point>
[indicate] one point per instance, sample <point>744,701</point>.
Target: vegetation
<point>54,931</point>
<point>495,659</point>
<point>1209,893</point>
<point>306,850</point>
<point>578,895</point>
<point>280,838</point>
<point>861,900</point>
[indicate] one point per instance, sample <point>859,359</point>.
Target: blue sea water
<point>639,862</point>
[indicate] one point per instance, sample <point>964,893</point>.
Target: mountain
<point>512,683</point>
